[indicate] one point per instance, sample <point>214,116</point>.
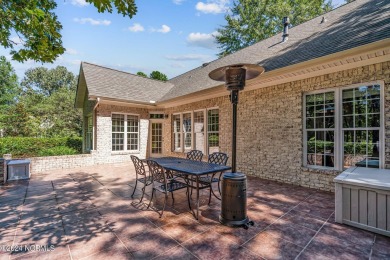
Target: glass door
<point>156,139</point>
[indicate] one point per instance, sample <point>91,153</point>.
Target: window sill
<point>124,152</point>
<point>320,170</point>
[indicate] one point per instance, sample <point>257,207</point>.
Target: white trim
<point>156,121</point>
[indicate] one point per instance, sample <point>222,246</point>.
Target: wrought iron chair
<point>195,155</point>
<point>208,180</point>
<point>142,175</point>
<point>162,183</point>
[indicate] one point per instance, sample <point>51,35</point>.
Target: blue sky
<point>171,36</point>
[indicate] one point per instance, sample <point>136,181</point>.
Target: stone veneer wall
<point>42,164</point>
<point>270,126</point>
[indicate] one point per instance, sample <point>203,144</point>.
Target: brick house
<point>322,105</point>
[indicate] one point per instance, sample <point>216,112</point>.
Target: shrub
<point>23,147</point>
<point>58,150</point>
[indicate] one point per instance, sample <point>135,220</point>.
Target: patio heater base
<point>233,206</point>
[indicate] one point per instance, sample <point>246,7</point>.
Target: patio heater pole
<point>233,206</point>
<point>234,101</point>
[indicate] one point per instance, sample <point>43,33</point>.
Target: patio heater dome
<point>235,75</point>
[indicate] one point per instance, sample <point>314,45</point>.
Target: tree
<point>38,29</point>
<point>140,73</point>
<point>158,75</point>
<point>9,89</point>
<point>251,21</point>
<point>48,96</point>
<point>9,86</point>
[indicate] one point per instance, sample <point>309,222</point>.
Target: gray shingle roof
<point>355,24</point>
<point>110,83</point>
<point>351,25</point>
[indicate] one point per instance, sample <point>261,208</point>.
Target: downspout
<point>94,124</point>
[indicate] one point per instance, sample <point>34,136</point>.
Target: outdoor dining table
<point>191,168</point>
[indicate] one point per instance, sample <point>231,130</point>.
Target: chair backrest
<point>138,165</point>
<point>218,158</point>
<point>157,172</point>
<point>195,155</point>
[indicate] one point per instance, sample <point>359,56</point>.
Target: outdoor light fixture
<point>233,206</point>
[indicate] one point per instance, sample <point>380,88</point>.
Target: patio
<point>87,213</point>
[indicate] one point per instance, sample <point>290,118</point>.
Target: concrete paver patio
<point>88,213</point>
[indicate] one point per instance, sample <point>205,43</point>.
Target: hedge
<point>22,147</point>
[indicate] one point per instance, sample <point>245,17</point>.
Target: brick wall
<point>270,126</point>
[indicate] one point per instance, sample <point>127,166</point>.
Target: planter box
<point>363,199</point>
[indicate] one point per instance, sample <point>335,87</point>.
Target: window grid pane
<point>176,132</point>
<point>213,130</point>
<point>199,136</point>
<point>132,132</point>
<point>361,126</point>
<point>320,124</point>
<point>187,130</point>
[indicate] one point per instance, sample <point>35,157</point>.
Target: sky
<point>171,36</point>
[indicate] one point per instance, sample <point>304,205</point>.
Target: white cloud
<point>178,2</point>
<point>79,2</point>
<point>177,65</point>
<point>136,28</point>
<point>189,57</point>
<point>91,21</point>
<point>71,51</point>
<point>164,29</point>
<point>213,6</point>
<point>205,40</point>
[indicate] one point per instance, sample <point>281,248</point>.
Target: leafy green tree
<point>9,89</point>
<point>140,73</point>
<point>48,95</point>
<point>251,21</point>
<point>18,121</point>
<point>158,75</point>
<point>38,29</point>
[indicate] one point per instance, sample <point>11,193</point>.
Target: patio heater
<point>233,206</point>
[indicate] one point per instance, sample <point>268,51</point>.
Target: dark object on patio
<point>195,155</point>
<point>163,184</point>
<point>233,211</point>
<point>141,175</point>
<point>208,180</point>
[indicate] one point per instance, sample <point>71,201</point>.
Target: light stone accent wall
<point>43,164</point>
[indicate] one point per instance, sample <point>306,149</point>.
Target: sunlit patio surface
<point>88,213</point>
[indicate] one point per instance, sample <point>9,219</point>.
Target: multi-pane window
<point>176,132</point>
<point>125,130</point>
<point>199,137</point>
<point>213,131</point>
<point>361,126</point>
<point>199,129</point>
<point>320,126</point>
<point>88,133</point>
<point>187,131</point>
<point>357,135</point>
<point>132,132</point>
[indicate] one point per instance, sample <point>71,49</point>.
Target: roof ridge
<point>132,74</point>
